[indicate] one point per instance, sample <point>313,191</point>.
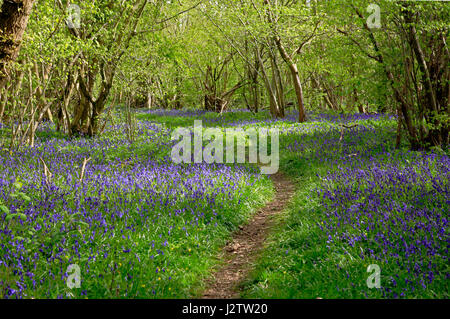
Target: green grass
<point>187,261</point>
<point>210,119</point>
<point>298,260</point>
<point>297,264</point>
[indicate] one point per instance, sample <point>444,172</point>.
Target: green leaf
<point>18,185</point>
<point>20,215</point>
<point>4,209</point>
<point>83,223</point>
<point>24,196</point>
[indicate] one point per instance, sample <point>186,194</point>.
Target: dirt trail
<point>240,254</point>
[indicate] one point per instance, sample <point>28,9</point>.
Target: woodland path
<point>240,254</point>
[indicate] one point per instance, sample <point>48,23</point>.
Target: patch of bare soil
<point>241,252</point>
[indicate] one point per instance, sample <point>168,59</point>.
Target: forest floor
<point>142,226</point>
<point>241,252</point>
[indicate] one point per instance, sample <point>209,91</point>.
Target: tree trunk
<point>357,102</point>
<point>434,137</point>
<point>278,84</point>
<point>13,22</point>
<point>274,108</point>
<point>252,74</point>
<point>404,106</point>
<point>295,80</point>
<point>149,101</point>
<point>298,92</point>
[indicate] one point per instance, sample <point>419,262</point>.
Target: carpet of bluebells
<point>136,225</point>
<point>384,206</point>
<point>361,202</point>
<point>397,212</point>
<point>140,226</point>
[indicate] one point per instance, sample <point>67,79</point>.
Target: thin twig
<point>86,160</point>
<point>48,174</point>
<point>346,127</point>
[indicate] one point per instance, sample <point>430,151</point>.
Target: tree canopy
<point>67,61</point>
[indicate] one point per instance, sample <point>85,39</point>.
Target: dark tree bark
<point>14,17</point>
